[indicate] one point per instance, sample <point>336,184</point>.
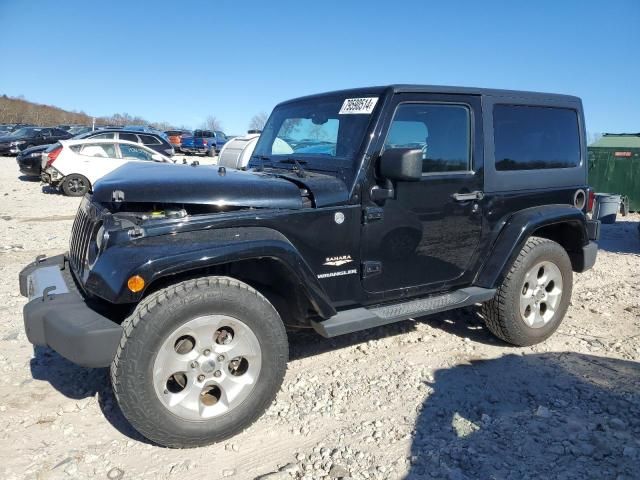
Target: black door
<point>429,232</point>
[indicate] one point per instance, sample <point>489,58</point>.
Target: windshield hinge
<point>372,214</point>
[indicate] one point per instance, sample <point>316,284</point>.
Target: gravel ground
<point>434,398</point>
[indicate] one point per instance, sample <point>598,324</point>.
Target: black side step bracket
<point>362,318</point>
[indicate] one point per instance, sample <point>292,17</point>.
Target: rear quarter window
<point>128,136</point>
<point>150,140</point>
<point>533,138</point>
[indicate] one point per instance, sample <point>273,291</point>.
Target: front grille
<point>81,234</point>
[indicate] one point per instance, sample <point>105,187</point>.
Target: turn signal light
<point>135,283</point>
<point>591,200</point>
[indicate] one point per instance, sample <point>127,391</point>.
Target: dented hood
<point>203,185</point>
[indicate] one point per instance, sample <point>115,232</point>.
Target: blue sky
<point>181,61</point>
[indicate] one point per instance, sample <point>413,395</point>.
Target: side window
<point>221,135</point>
<point>128,136</point>
<point>532,138</point>
<point>102,150</point>
<point>149,140</point>
<point>45,132</point>
<point>133,152</point>
<point>442,132</point>
<point>105,136</point>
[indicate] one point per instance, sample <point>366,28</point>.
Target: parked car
<point>76,165</point>
<point>174,137</point>
<point>28,137</point>
<point>207,142</point>
<point>490,208</point>
<point>152,140</point>
<point>29,160</point>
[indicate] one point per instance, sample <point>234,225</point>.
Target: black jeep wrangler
<point>359,208</point>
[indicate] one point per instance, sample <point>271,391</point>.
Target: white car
<point>75,165</point>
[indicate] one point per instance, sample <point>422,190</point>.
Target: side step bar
<point>362,318</point>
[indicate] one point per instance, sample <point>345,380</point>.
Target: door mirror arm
<point>379,194</point>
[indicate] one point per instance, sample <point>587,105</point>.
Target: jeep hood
<point>167,183</point>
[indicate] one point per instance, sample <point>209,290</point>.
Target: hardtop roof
<point>409,88</point>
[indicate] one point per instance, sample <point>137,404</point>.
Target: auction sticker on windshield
<point>358,105</point>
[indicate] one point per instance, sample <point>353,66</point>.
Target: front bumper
<point>51,176</point>
<point>59,316</point>
<point>587,259</point>
<point>193,150</point>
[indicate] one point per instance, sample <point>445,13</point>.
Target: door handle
<point>466,197</point>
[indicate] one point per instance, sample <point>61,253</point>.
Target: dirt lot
<point>434,398</point>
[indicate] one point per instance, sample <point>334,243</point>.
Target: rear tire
<point>75,185</point>
<point>181,324</point>
<point>534,296</point>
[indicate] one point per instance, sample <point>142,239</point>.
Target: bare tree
<point>258,120</point>
<point>288,127</point>
<point>593,137</point>
<point>211,123</point>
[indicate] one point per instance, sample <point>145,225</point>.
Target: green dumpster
<point>614,166</point>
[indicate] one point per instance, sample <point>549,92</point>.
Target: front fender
<point>513,232</point>
<point>161,256</point>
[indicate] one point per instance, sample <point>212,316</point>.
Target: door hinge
<point>372,214</point>
<point>371,268</point>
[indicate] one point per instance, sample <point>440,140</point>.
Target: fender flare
<point>513,232</point>
<point>158,257</point>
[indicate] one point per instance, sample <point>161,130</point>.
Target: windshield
<point>330,128</point>
<point>25,132</point>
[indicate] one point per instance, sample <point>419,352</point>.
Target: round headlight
<point>101,238</point>
<point>97,246</point>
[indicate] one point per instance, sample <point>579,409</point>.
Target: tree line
<point>20,110</point>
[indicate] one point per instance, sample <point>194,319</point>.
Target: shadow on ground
<point>555,415</point>
<point>78,382</point>
<point>464,323</point>
<point>620,237</point>
<point>28,178</point>
<point>49,190</point>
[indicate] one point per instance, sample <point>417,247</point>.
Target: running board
<point>362,318</point>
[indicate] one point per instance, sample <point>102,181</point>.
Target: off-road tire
<point>154,319</point>
<point>502,313</point>
<point>70,188</point>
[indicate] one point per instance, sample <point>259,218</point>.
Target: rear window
<point>203,134</point>
<point>532,138</point>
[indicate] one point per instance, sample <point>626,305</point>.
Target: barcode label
<point>358,105</point>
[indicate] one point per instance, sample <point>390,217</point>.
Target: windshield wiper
<point>298,163</point>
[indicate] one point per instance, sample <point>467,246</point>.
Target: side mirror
<point>402,164</point>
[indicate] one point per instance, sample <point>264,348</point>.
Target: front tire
<point>534,296</point>
<point>199,361</point>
